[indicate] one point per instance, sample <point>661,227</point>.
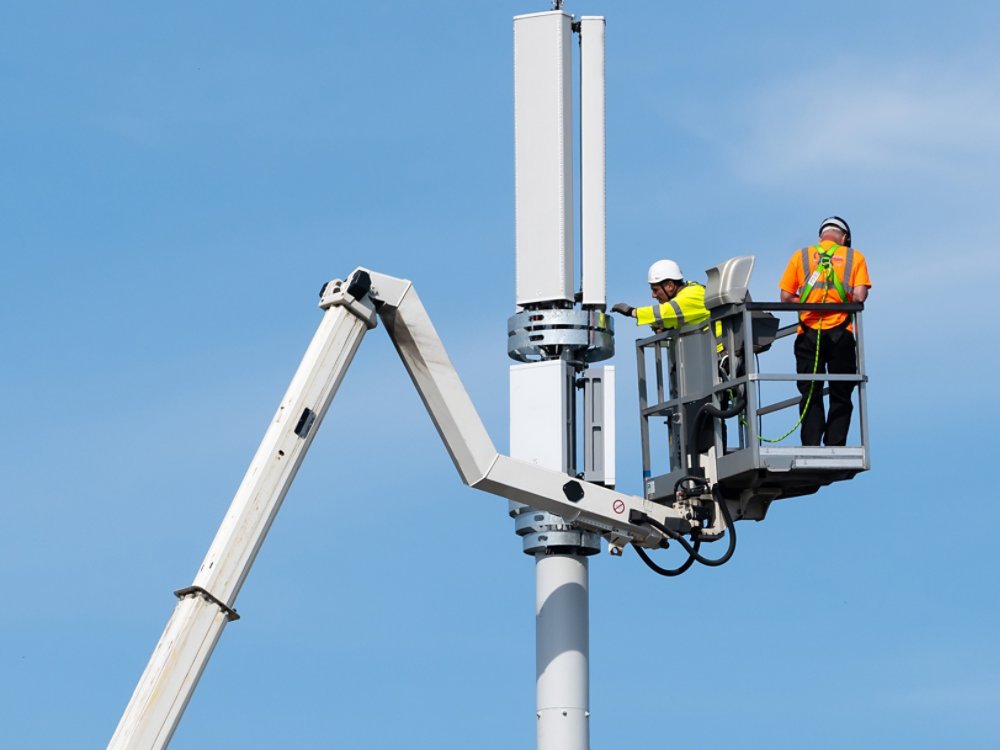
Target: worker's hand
<point>623,308</point>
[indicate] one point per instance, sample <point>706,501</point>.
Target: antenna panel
<point>543,157</point>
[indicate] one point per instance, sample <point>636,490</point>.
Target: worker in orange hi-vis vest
<point>829,272</point>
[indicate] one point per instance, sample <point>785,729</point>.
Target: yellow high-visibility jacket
<point>686,308</point>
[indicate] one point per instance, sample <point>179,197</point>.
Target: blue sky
<point>179,181</point>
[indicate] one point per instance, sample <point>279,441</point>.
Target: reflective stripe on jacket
<point>686,308</point>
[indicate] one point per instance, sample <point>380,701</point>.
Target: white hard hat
<point>837,222</point>
<point>664,270</point>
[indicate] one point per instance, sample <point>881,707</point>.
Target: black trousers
<point>837,355</point>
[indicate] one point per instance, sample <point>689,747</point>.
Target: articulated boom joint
<point>352,294</point>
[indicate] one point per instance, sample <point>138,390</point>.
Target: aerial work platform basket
<point>715,385</point>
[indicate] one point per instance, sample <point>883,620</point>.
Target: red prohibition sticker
<point>618,506</point>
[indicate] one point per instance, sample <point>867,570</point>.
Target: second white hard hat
<point>663,270</point>
<point>841,224</point>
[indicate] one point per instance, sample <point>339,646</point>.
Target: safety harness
<point>824,269</point>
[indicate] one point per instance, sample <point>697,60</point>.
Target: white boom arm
<point>205,607</point>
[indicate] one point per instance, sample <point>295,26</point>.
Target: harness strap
<point>824,268</point>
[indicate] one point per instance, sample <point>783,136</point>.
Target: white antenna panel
<point>592,162</point>
<point>543,157</point>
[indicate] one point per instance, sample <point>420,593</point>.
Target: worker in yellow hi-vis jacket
<point>679,302</point>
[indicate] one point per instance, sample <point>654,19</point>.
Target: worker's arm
<point>860,294</point>
<point>792,279</point>
<point>664,315</point>
<point>660,317</point>
<point>623,308</point>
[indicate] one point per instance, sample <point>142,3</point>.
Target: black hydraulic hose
<point>690,478</point>
<point>693,551</point>
<point>712,411</point>
<point>669,573</point>
<point>718,413</point>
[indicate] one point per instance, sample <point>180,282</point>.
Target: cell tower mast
<point>558,331</point>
